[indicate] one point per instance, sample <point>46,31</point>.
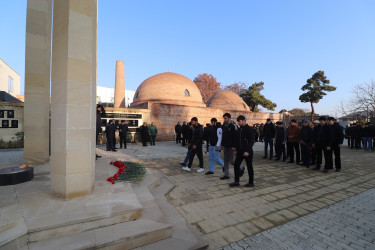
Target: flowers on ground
<point>127,171</point>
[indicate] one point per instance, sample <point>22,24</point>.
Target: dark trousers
<point>329,158</point>
<point>320,150</point>
<point>280,150</point>
<point>183,141</point>
<point>178,138</point>
<point>249,164</point>
<point>122,140</point>
<point>306,154</point>
<point>358,142</point>
<point>348,142</point>
<point>352,142</point>
<point>144,140</point>
<point>294,146</point>
<point>197,151</point>
<point>313,155</point>
<point>152,139</point>
<point>110,142</point>
<point>268,141</point>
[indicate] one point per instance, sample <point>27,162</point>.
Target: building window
<point>187,92</point>
<point>10,84</point>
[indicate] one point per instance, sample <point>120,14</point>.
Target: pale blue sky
<point>281,43</point>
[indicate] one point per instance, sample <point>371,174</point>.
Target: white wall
<point>5,72</point>
<point>106,94</point>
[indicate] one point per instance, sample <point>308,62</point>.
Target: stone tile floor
<point>282,193</point>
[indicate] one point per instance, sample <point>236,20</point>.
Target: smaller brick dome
<point>227,100</point>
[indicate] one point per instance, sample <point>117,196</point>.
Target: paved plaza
<point>282,193</point>
<point>290,207</point>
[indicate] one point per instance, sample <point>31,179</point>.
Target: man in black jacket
<point>244,142</point>
<point>145,134</point>
<point>280,141</point>
<point>305,142</point>
<point>110,134</point>
<point>177,130</point>
<point>322,140</point>
<point>229,132</point>
<point>99,112</point>
<point>184,130</point>
<point>196,145</point>
<point>123,130</point>
<point>269,135</point>
<point>337,138</point>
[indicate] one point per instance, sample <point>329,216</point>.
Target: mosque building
<point>168,98</point>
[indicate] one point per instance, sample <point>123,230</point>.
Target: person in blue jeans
<point>367,137</point>
<point>214,137</point>
<point>269,135</point>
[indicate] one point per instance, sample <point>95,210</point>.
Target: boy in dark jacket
<point>196,145</point>
<point>244,142</point>
<point>229,133</point>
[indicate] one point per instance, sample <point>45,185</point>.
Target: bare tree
<point>237,87</point>
<point>363,99</point>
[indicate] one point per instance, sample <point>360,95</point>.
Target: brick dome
<point>227,100</point>
<point>169,88</point>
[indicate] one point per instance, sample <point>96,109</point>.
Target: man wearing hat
<point>305,141</point>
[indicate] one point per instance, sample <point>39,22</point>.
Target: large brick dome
<point>168,88</point>
<point>227,100</point>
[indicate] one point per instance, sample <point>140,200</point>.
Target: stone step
<point>126,235</point>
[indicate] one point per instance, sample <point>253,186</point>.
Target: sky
<point>282,43</point>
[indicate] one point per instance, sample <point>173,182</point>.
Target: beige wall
<point>8,134</point>
<point>5,72</point>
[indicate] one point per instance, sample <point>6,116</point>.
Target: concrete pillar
<point>37,81</point>
<point>73,97</point>
<point>120,85</point>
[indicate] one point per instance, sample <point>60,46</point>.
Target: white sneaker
<point>200,170</point>
<point>186,169</point>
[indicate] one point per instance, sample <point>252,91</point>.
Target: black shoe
<point>249,185</point>
<point>316,168</point>
<point>114,150</point>
<point>98,156</point>
<point>325,170</point>
<point>234,184</point>
<point>338,170</point>
<point>108,150</point>
<point>224,177</point>
<point>209,172</point>
<point>183,164</point>
<point>290,162</point>
<point>124,147</point>
<point>120,147</point>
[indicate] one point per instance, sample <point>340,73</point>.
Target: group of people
<point>182,133</point>
<point>148,133</point>
<point>360,137</point>
<point>231,138</point>
<point>110,131</point>
<point>306,145</point>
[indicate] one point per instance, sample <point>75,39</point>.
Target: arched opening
<point>187,93</point>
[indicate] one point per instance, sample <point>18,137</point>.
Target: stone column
<point>73,97</point>
<point>37,81</point>
<point>120,85</point>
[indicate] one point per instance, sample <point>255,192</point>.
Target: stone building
<point>168,98</point>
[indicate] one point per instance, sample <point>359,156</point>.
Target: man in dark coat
<point>243,142</point>
<point>269,135</point>
<point>145,133</point>
<point>123,131</point>
<point>305,142</point>
<point>229,132</point>
<point>110,134</point>
<point>322,138</point>
<point>337,139</point>
<point>184,131</point>
<point>178,130</point>
<point>280,141</point>
<point>99,109</point>
<point>196,145</point>
<point>367,137</point>
<point>293,132</point>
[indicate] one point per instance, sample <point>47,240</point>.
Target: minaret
<point>120,85</point>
